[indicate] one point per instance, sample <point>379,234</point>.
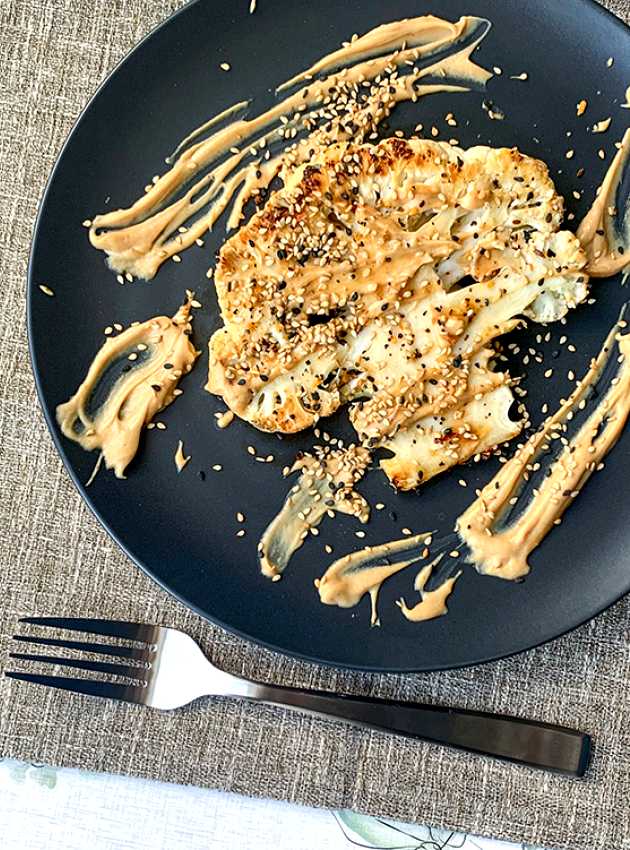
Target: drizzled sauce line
<point>220,163</point>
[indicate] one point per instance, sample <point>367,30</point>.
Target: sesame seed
<point>360,534</point>
<point>46,290</point>
<point>117,326</point>
<point>406,531</point>
<point>251,450</point>
<point>108,330</point>
<point>379,506</point>
<point>240,532</point>
<point>217,467</point>
<point>225,66</point>
<point>454,554</point>
<point>328,549</point>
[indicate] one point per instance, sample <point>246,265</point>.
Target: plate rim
<point>51,423</point>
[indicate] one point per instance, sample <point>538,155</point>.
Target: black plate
<point>180,529</point>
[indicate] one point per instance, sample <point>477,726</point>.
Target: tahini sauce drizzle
<point>234,160</point>
<point>605,230</point>
<point>502,548</point>
<point>433,602</point>
<point>325,486</point>
<point>158,352</point>
<point>348,579</point>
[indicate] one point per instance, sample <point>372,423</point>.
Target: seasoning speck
<point>581,107</point>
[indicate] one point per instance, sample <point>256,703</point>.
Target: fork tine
<point>112,628</point>
<point>134,672</point>
<point>141,654</point>
<point>91,687</point>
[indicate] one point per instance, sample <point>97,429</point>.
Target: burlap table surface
<point>56,558</point>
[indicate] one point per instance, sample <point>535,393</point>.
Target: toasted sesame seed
<point>581,107</point>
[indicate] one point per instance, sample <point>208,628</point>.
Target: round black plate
<point>181,529</point>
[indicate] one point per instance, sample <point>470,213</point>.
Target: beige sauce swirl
<point>433,602</point>
<point>347,580</point>
<point>234,161</point>
<point>605,230</point>
<point>325,486</point>
<point>158,352</point>
<point>502,549</point>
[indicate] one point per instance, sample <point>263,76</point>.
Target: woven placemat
<point>55,558</point>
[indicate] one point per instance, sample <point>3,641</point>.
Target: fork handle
<point>512,739</point>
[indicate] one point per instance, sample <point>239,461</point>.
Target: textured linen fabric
<point>55,558</point>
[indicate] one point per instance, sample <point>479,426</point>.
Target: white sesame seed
<point>46,290</point>
<point>217,467</point>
